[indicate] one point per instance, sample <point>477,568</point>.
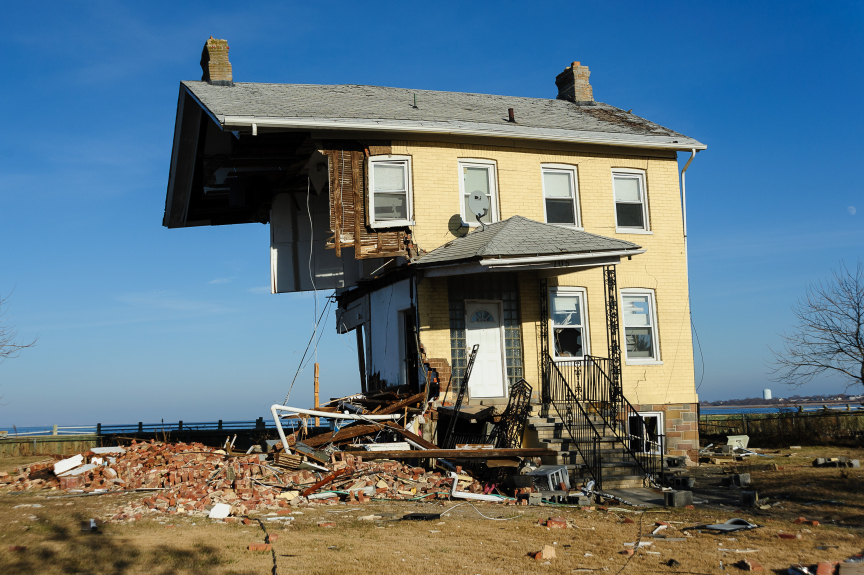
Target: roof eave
<point>558,261</point>
<point>457,128</point>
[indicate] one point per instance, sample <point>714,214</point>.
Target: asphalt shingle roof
<point>521,237</point>
<point>447,112</point>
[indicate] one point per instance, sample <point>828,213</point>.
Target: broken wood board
<point>460,453</point>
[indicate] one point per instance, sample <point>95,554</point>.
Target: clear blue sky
<point>137,322</point>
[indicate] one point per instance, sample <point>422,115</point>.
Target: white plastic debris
<point>220,511</point>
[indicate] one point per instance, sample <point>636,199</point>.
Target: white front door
<point>483,327</point>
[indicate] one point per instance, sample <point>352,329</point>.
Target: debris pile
<point>194,478</point>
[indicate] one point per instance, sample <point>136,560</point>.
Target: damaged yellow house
<point>547,234</point>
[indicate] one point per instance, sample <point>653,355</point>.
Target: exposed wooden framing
<point>348,207</point>
<point>459,453</point>
<point>183,160</point>
<point>343,434</point>
<point>404,403</point>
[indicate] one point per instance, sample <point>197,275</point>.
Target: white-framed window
<point>631,205</point>
<point>390,191</point>
<point>560,195</point>
<point>639,316</point>
<point>478,176</point>
<point>569,322</point>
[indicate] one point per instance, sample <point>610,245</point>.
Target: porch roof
<point>518,241</point>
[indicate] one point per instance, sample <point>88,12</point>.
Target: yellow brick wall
<point>662,268</point>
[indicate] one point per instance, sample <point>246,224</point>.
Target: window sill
<point>633,231</point>
<point>569,227</point>
<point>392,224</point>
<point>579,358</point>
<point>642,362</point>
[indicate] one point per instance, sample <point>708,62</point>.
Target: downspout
<point>684,200</point>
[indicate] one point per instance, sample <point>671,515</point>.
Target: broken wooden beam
<point>323,482</point>
<point>459,453</point>
<point>393,408</point>
<point>341,435</point>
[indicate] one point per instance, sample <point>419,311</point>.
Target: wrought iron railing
<point>581,429</point>
<point>588,378</point>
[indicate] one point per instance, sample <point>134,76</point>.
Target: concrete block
<point>749,499</point>
<point>677,498</point>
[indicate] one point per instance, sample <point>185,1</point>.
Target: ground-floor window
<point>639,314</point>
<point>501,287</point>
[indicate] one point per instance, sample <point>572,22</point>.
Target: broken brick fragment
<point>259,547</point>
<point>749,565</point>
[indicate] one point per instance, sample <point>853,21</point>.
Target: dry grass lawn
<point>460,542</point>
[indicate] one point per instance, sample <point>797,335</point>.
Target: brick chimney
<point>214,63</point>
<point>573,84</point>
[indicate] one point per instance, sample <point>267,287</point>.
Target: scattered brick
<point>749,565</point>
<point>258,547</point>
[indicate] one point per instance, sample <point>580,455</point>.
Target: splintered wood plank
<point>459,453</point>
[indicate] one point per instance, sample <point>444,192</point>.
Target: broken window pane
<point>568,341</point>
<point>566,310</point>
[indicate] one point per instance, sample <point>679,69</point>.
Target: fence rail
<point>259,424</point>
<point>808,427</point>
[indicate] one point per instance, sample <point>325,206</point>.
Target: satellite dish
<point>479,204</point>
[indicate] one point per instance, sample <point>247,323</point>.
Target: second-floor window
<point>560,197</point>
<point>478,176</point>
<point>631,210</point>
<point>390,191</point>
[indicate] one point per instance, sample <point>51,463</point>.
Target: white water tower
<point>766,394</point>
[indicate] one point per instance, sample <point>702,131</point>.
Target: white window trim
<point>409,192</point>
<point>643,180</point>
<point>575,182</point>
<point>493,188</point>
<point>583,303</point>
<point>652,300</point>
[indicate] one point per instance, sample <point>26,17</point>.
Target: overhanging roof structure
<point>392,110</point>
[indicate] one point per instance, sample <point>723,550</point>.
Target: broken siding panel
<point>349,209</point>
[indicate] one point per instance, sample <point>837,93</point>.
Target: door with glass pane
<point>483,327</point>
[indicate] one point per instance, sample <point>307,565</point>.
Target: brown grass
<point>464,543</point>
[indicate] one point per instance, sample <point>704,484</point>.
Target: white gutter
<point>457,128</point>
<point>557,258</point>
<point>684,199</point>
<point>325,414</point>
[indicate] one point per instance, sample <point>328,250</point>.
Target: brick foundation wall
<point>681,427</point>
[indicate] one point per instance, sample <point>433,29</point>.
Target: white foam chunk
<point>103,450</point>
<point>67,464</point>
<point>220,511</point>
